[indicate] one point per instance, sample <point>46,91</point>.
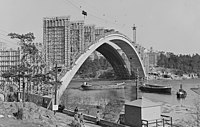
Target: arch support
<point>105,47</point>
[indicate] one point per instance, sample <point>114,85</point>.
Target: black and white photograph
<point>100,63</point>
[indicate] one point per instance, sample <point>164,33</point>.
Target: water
<point>171,99</point>
<point>128,94</point>
<point>102,97</point>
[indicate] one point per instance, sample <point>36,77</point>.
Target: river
<point>102,97</point>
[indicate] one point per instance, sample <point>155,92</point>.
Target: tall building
<point>140,50</point>
<point>146,61</point>
<point>8,59</point>
<point>2,45</point>
<point>99,31</point>
<point>89,35</point>
<point>76,39</point>
<point>63,40</point>
<point>56,38</point>
<point>153,58</point>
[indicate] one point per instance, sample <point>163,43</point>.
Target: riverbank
<point>178,109</point>
<point>18,114</point>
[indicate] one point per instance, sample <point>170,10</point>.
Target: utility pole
<point>136,82</point>
<point>56,85</point>
<point>134,33</point>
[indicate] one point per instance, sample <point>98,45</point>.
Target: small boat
<point>87,86</point>
<point>181,93</point>
<point>153,88</point>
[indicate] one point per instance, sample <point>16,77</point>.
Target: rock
<point>35,116</point>
<point>32,113</point>
<point>11,116</point>
<point>2,111</point>
<point>1,116</point>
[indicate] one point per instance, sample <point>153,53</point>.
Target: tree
<point>6,85</point>
<point>182,63</point>
<point>28,57</point>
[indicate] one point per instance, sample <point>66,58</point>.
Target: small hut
<point>141,110</point>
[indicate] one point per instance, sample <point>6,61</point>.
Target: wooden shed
<point>141,109</point>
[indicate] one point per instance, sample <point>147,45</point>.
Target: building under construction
<point>76,40</point>
<point>65,40</point>
<point>89,35</point>
<point>56,38</point>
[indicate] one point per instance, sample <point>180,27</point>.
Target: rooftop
<point>143,103</point>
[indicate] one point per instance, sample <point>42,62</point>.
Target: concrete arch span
<point>116,60</point>
<point>103,45</point>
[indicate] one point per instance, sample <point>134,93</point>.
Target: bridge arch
<point>105,47</point>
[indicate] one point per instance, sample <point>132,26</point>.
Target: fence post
<point>156,123</point>
<point>163,122</point>
<point>171,121</point>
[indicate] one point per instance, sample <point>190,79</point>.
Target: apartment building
<point>8,59</point>
<point>56,38</point>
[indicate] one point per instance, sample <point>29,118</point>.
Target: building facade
<point>63,40</point>
<point>89,35</point>
<point>153,58</point>
<point>8,59</point>
<point>76,39</point>
<point>56,38</point>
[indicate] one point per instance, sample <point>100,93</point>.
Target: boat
<point>154,88</point>
<point>87,86</point>
<point>181,93</point>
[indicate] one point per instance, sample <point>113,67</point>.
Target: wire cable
<point>93,15</point>
<point>8,40</point>
<point>73,4</point>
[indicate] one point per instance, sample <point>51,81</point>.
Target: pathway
<point>68,119</point>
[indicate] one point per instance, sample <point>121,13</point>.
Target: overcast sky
<point>165,25</point>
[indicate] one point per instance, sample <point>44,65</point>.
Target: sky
<point>165,25</point>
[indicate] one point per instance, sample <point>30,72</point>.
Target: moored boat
<point>181,93</point>
<point>153,88</point>
<point>87,86</point>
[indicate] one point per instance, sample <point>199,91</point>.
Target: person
<point>76,117</point>
<point>97,118</point>
<point>81,117</point>
<point>76,121</point>
<point>76,110</point>
<point>181,88</point>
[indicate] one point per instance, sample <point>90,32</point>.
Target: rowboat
<point>153,88</point>
<point>87,86</point>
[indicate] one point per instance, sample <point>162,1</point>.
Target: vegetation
<point>30,68</point>
<point>193,116</point>
<point>90,68</point>
<point>183,63</point>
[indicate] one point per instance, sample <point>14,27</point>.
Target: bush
<point>19,114</point>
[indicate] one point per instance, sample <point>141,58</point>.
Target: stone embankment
<point>18,114</point>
